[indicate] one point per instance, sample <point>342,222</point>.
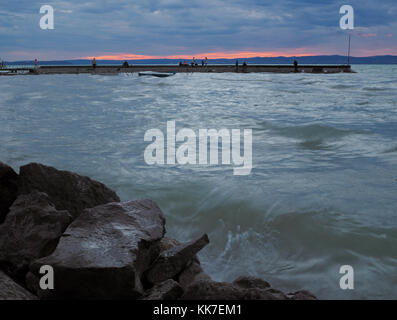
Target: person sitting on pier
<point>94,63</point>
<point>125,64</point>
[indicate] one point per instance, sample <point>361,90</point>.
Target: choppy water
<point>322,193</point>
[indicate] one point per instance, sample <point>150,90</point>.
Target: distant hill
<point>334,59</point>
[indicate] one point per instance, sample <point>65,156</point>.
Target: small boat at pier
<point>156,74</point>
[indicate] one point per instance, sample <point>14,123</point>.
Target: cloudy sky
<point>128,29</point>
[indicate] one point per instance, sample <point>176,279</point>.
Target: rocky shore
<point>99,247</point>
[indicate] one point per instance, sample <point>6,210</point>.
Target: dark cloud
<point>170,27</point>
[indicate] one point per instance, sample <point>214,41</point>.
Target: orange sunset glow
<point>209,55</point>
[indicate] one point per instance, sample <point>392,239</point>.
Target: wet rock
<point>167,290</point>
<point>8,189</point>
<point>211,290</point>
<point>193,272</point>
<point>168,243</point>
<point>31,231</point>
<point>10,290</point>
<point>174,260</point>
<point>248,282</point>
<point>263,294</point>
<point>67,190</point>
<point>104,252</point>
<point>302,295</point>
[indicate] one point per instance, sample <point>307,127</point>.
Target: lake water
<point>322,192</point>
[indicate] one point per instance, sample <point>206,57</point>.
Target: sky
<point>130,29</point>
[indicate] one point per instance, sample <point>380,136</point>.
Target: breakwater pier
<point>115,69</point>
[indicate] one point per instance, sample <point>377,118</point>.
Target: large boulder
<point>31,230</point>
<point>10,290</point>
<point>104,252</point>
<point>67,190</point>
<point>8,189</point>
<point>172,261</point>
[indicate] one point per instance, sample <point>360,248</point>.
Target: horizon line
<point>197,57</point>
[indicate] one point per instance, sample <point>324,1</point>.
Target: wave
<point>375,89</point>
<point>391,150</point>
<point>291,248</point>
<point>342,86</point>
<point>313,136</point>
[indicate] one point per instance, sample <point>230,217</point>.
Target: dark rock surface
<point>31,231</point>
<point>174,260</point>
<point>10,290</point>
<point>8,189</point>
<point>104,252</point>
<point>192,273</point>
<point>248,282</point>
<point>167,290</point>
<point>67,190</point>
<point>211,290</point>
<point>302,295</point>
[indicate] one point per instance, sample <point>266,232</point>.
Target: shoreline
<point>66,222</point>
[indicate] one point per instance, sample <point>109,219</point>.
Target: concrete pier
<point>114,69</point>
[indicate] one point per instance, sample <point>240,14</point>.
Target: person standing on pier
<point>296,66</point>
<point>94,63</point>
<point>236,65</point>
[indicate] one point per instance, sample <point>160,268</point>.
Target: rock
<point>32,283</point>
<point>168,243</point>
<point>104,252</point>
<point>167,290</point>
<point>174,260</point>
<point>67,190</point>
<point>211,290</point>
<point>8,189</point>
<point>10,290</point>
<point>193,272</point>
<point>31,231</point>
<point>302,295</point>
<point>249,282</point>
<point>263,294</point>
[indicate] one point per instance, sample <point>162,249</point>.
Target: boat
<point>156,74</point>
